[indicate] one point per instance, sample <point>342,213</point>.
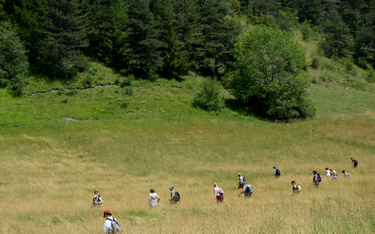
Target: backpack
<point>177,196</point>
<point>99,199</point>
<point>319,178</point>
<point>116,226</point>
<point>277,172</point>
<point>249,189</point>
<point>221,192</point>
<point>299,188</point>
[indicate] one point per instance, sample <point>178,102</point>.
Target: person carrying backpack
<point>219,193</point>
<point>247,189</point>
<point>354,162</point>
<point>316,179</point>
<point>333,173</point>
<point>296,188</point>
<point>97,200</point>
<point>276,172</point>
<point>111,225</point>
<point>175,196</point>
<point>241,181</point>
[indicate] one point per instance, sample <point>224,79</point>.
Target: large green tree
<point>271,77</point>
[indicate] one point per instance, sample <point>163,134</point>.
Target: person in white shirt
<point>347,174</point>
<point>333,173</point>
<point>111,225</point>
<point>153,199</point>
<point>328,173</point>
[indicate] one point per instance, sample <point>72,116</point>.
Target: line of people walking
<point>111,225</point>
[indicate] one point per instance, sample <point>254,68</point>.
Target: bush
<point>370,76</point>
<point>127,81</point>
<point>3,83</point>
<point>124,104</point>
<point>16,87</point>
<point>64,101</point>
<point>127,91</point>
<point>87,81</point>
<point>315,63</point>
<point>71,92</point>
<point>208,98</point>
<point>271,76</point>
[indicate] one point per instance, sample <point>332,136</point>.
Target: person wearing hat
<point>97,200</point>
<point>247,189</point>
<point>174,196</point>
<point>111,225</point>
<point>241,181</point>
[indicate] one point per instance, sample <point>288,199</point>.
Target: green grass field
<point>51,165</point>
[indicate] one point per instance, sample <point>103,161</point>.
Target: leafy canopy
<point>271,76</point>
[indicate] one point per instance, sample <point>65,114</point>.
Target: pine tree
<point>143,47</point>
<point>66,33</point>
<point>176,58</point>
<point>107,20</point>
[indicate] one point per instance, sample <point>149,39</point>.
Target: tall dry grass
<point>48,176</point>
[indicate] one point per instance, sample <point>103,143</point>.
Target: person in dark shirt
<point>354,162</point>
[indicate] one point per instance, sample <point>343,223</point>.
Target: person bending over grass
<point>354,162</point>
<point>219,196</point>
<point>316,179</point>
<point>247,190</point>
<point>333,173</point>
<point>276,172</point>
<point>347,174</point>
<point>296,188</point>
<point>97,199</point>
<point>328,173</point>
<point>153,199</point>
<point>241,181</point>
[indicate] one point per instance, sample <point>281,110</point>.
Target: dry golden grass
<point>48,176</point>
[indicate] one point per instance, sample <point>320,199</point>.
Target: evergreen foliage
<point>65,37</point>
<point>271,76</point>
<point>13,59</point>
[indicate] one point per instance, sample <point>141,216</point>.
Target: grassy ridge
<point>50,166</point>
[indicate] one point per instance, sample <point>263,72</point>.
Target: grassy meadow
<point>57,147</point>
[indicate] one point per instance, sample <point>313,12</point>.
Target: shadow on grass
<point>241,108</point>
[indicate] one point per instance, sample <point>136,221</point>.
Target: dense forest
<point>167,38</point>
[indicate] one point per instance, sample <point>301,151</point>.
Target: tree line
<point>168,38</point>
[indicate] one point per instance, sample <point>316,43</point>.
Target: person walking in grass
<point>328,173</point>
<point>111,225</point>
<point>247,190</point>
<point>333,173</point>
<point>316,179</point>
<point>346,174</point>
<point>153,199</point>
<point>296,188</point>
<point>175,196</point>
<point>219,194</point>
<point>241,181</point>
<point>97,199</point>
<point>354,162</point>
<point>276,172</point>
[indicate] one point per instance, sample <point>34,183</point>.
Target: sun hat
<point>171,187</point>
<point>215,184</point>
<point>239,173</point>
<point>96,190</point>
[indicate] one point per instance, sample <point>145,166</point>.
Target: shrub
<point>87,81</point>
<point>60,92</point>
<point>127,91</point>
<point>208,98</point>
<point>370,76</point>
<point>315,63</point>
<point>64,101</point>
<point>71,92</point>
<point>123,72</point>
<point>124,104</point>
<point>127,81</point>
